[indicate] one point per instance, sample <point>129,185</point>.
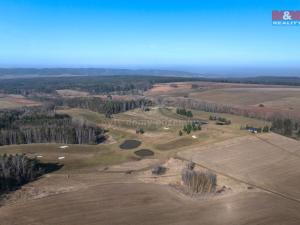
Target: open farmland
<point>132,203</point>
<point>102,184</point>
<point>105,184</point>
<point>15,101</point>
<point>97,197</point>
<point>256,160</point>
<point>253,97</point>
<point>149,112</point>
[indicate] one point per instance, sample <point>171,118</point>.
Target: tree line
<point>189,127</point>
<point>286,126</point>
<point>118,84</point>
<point>184,112</point>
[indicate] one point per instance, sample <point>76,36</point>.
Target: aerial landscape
<point>93,135</point>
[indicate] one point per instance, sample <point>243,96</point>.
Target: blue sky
<point>146,33</point>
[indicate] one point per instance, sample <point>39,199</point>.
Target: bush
<point>199,182</point>
<point>180,133</point>
<point>159,170</point>
<point>189,127</point>
<point>220,120</point>
<point>184,112</point>
<point>191,165</point>
<point>140,131</point>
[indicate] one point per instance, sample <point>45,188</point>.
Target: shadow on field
<point>50,167</point>
<point>144,152</point>
<point>12,183</point>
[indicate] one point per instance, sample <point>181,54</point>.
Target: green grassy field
<point>75,156</point>
<point>164,140</point>
<point>162,125</point>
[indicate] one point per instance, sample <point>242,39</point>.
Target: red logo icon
<point>285,15</point>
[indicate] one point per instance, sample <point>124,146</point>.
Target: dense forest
<point>118,84</point>
<point>107,107</point>
<point>91,84</point>
<point>34,125</point>
<point>268,80</point>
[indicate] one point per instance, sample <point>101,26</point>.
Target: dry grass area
<point>248,96</point>
<point>68,93</point>
<point>15,101</point>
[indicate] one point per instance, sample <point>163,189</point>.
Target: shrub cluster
<point>197,181</point>
<point>220,120</point>
<point>188,128</point>
<point>184,112</point>
<point>140,130</point>
<point>159,170</point>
